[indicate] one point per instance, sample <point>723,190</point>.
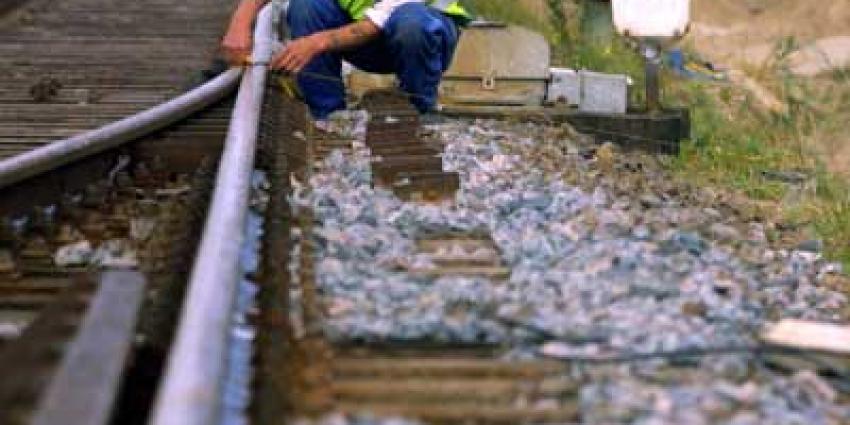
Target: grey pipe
<point>652,63</point>
<point>62,152</point>
<point>191,391</point>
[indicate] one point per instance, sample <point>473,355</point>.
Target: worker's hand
<point>237,45</point>
<point>299,52</point>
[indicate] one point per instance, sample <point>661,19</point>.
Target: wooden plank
<point>85,387</point>
<point>24,301</point>
<point>460,413</point>
<point>8,6</point>
<point>494,272</point>
<point>450,389</point>
<point>448,260</point>
<point>661,132</point>
<point>28,364</point>
<point>405,368</point>
<point>33,286</point>
<point>433,245</point>
<point>807,335</point>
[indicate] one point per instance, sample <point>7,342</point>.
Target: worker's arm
<point>238,40</point>
<point>298,53</point>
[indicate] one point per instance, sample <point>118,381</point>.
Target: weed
<point>515,12</point>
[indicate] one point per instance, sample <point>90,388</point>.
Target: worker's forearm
<point>350,36</point>
<point>245,13</point>
<point>238,40</point>
<point>299,52</point>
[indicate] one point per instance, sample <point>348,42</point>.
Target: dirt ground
<point>747,32</point>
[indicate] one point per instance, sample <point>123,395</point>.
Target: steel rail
<point>63,152</point>
<point>191,391</point>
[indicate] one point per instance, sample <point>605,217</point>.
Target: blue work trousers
<point>416,44</point>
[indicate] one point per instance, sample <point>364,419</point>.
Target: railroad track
<point>128,289</point>
<point>436,382</point>
<point>76,66</point>
<point>68,68</point>
<point>72,66</point>
<point>351,352</point>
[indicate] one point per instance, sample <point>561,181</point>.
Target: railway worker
<point>414,39</point>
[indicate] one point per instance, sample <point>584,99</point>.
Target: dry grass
<point>739,145</point>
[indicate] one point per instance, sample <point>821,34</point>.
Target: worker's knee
<point>415,27</point>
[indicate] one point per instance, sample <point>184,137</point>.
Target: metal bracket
<point>488,82</point>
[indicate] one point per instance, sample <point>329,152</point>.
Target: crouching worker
<point>414,39</point>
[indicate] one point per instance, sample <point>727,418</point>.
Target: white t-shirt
<point>380,13</point>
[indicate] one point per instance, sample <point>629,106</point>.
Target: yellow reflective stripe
<point>357,8</point>
<point>456,9</point>
<point>452,8</point>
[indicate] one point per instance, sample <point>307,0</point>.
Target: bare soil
<point>747,32</point>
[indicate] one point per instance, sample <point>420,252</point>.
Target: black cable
<point>628,357</point>
<point>690,352</point>
<point>756,350</point>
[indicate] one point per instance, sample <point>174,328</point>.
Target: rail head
<point>191,390</point>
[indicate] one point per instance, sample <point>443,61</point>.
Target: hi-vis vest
<point>357,9</point>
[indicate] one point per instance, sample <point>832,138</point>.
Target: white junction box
<point>564,87</point>
<point>651,18</point>
<point>603,93</point>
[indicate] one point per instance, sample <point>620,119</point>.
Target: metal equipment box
<point>497,64</point>
<point>564,87</point>
<point>603,93</point>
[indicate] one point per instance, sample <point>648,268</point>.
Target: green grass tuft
<point>514,12</point>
